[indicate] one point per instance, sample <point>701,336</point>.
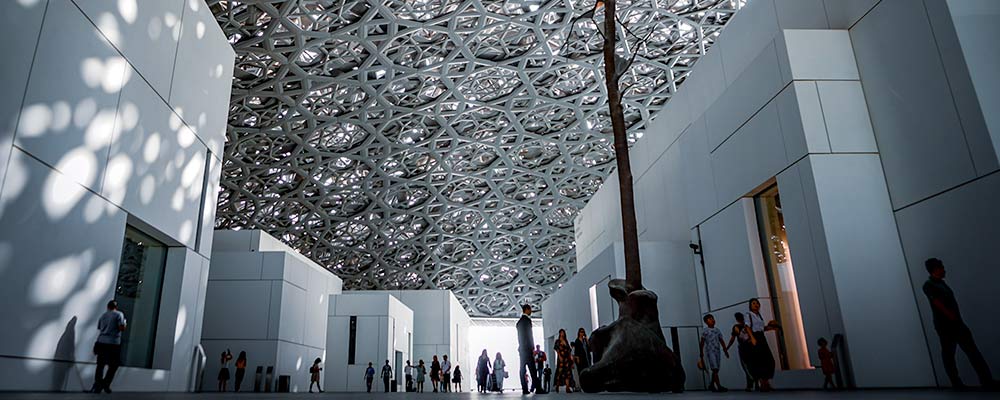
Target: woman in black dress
<point>581,351</point>
<point>435,373</point>
<point>762,361</point>
<point>482,370</point>
<point>564,363</point>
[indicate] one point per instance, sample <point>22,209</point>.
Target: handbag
<point>506,375</point>
<point>701,364</point>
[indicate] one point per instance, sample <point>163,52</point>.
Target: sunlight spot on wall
<point>108,25</point>
<point>129,10</point>
<point>171,21</point>
<point>152,147</point>
<point>193,171</point>
<point>177,200</point>
<point>194,4</point>
<point>17,179</point>
<point>92,70</point>
<point>84,112</point>
<point>117,75</point>
<point>128,118</point>
<point>159,375</point>
<point>94,209</point>
<point>186,136</point>
<point>100,280</point>
<point>147,189</point>
<point>97,134</point>
<point>56,280</point>
<point>298,364</point>
<point>154,28</point>
<point>186,231</point>
<point>118,175</point>
<point>62,115</point>
<point>34,120</point>
<point>43,345</point>
<point>218,72</point>
<point>200,30</point>
<point>28,3</point>
<point>181,323</point>
<point>60,194</point>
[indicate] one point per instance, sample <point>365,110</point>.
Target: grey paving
<point>804,395</point>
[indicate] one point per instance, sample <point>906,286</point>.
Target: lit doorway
<point>793,352</point>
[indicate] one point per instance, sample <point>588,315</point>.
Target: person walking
<point>482,371</point>
<point>951,328</point>
<point>421,373</point>
<point>226,357</point>
<point>827,363</point>
<point>314,375</point>
<point>581,354</point>
<point>369,376</point>
<point>435,373</point>
<point>457,378</point>
<point>564,363</point>
<point>241,370</point>
<point>744,339</point>
<point>762,364</point>
<point>386,375</point>
<point>108,347</point>
<point>526,344</point>
<point>445,374</point>
<point>709,349</point>
<point>547,382</point>
<point>499,372</point>
<point>540,359</point>
<point>408,374</point>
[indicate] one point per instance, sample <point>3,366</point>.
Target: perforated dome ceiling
<point>409,144</point>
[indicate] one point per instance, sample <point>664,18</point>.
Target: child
<point>712,344</point>
<point>314,378</point>
<point>827,363</point>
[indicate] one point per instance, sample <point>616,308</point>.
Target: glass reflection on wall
<point>140,280</point>
<point>793,350</point>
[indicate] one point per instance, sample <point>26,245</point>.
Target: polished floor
<point>804,395</point>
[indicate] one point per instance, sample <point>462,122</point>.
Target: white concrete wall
<point>270,303</point>
<point>384,323</point>
<point>872,117</point>
<point>92,137</point>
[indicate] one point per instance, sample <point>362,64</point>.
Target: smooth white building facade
<point>268,300</point>
<point>112,121</point>
<point>382,331</point>
<point>875,122</point>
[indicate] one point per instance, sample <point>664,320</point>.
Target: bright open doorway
<point>496,335</point>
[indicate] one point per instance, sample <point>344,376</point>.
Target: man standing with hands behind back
<point>525,349</point>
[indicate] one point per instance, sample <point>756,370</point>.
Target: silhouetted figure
<point>547,382</point>
<point>241,370</point>
<point>457,378</point>
<point>744,345</point>
<point>827,364</point>
<point>108,347</point>
<point>314,375</point>
<point>499,372</point>
<point>386,375</point>
<point>435,373</point>
<point>950,327</point>
<point>408,374</point>
<point>224,360</point>
<point>540,358</point>
<point>369,376</point>
<point>482,372</point>
<point>762,364</point>
<point>710,348</point>
<point>581,351</point>
<point>526,344</point>
<point>421,372</point>
<point>445,374</point>
<point>564,363</point>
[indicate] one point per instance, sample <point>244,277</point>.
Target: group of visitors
<point>439,373</point>
<point>753,349</point>
<point>757,360</point>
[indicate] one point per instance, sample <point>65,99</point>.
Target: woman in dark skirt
<point>761,360</point>
<point>226,357</point>
<point>435,373</point>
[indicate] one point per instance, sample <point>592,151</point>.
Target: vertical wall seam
<point>173,69</point>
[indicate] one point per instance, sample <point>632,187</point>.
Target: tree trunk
<point>630,235</point>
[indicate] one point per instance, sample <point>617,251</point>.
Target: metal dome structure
<point>408,144</point>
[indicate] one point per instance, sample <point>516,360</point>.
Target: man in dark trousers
<point>951,328</point>
<point>369,377</point>
<point>108,347</point>
<point>386,375</point>
<point>525,348</point>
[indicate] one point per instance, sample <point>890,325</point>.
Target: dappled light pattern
<point>409,144</point>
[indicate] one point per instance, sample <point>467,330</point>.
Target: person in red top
<point>827,364</point>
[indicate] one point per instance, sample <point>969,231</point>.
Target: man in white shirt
<point>408,372</point>
<point>108,347</point>
<point>446,375</point>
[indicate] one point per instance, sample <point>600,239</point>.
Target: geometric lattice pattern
<point>409,144</point>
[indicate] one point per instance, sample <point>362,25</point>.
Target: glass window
<point>140,280</point>
<point>792,349</point>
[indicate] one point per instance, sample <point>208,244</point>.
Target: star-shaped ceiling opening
<point>412,144</point>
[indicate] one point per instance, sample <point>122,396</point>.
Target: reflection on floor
<point>806,395</point>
